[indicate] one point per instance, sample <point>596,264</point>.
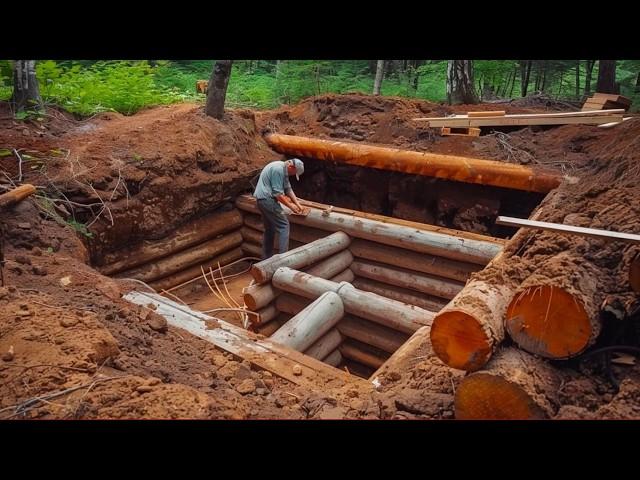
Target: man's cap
<point>299,167</point>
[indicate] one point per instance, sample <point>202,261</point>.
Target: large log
<point>267,314</point>
<point>391,313</point>
<point>513,386</point>
<point>325,345</point>
<point>270,328</point>
<point>310,324</point>
<point>433,304</point>
<point>448,167</point>
<point>555,313</point>
<point>258,296</point>
<point>195,271</point>
<point>16,195</point>
<point>434,242</point>
<point>634,273</point>
<point>301,256</point>
<point>251,249</point>
<point>400,277</point>
<point>345,276</point>
<point>420,262</point>
<point>363,354</point>
<point>187,258</point>
<point>251,236</point>
<point>350,326</point>
<point>371,333</point>
<point>465,333</point>
<point>188,235</point>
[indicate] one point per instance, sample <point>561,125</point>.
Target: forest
<point>86,87</point>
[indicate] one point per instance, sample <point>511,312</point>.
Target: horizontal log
<point>399,277</point>
<point>16,195</point>
<point>371,333</point>
<point>325,344</point>
<point>396,315</point>
<point>299,233</point>
<point>514,385</point>
<point>186,258</point>
<point>634,273</point>
<point>258,296</point>
<point>251,249</point>
<point>310,324</point>
<point>420,262</point>
<point>448,167</point>
<point>423,241</point>
<point>334,358</point>
<point>291,304</point>
<point>270,328</point>
<point>359,353</point>
<point>428,302</point>
<point>345,276</point>
<point>267,314</point>
<point>300,257</point>
<point>190,273</point>
<point>192,233</point>
<point>251,236</point>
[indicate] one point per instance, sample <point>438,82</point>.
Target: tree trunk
<point>525,73</point>
<point>587,79</point>
<point>637,89</point>
<point>218,88</point>
<point>606,76</point>
<point>379,74</point>
<point>460,82</point>
<point>577,78</point>
<point>26,94</point>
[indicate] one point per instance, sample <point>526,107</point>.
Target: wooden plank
<point>530,115</point>
<point>592,118</point>
<point>492,113</point>
<point>557,227</point>
<point>264,353</point>
<point>613,124</point>
<point>460,132</point>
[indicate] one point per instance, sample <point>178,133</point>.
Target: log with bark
<point>514,385</point>
<point>16,195</point>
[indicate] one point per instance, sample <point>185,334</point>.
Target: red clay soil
<point>63,325</point>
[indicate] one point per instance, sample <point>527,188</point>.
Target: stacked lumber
<point>587,117</point>
<point>606,101</point>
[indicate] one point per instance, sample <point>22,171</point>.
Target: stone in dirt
<point>68,322</point>
<point>246,386</point>
<point>157,322</point>
<point>297,370</point>
<point>23,259</point>
<point>9,355</point>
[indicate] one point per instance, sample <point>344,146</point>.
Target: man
<point>273,188</point>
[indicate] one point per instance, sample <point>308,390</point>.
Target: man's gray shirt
<point>273,181</point>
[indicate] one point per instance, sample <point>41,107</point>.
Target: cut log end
<point>490,397</point>
<point>550,322</point>
<point>459,340</point>
<point>258,274</point>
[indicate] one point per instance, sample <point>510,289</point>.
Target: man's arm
<point>286,200</point>
<point>293,197</point>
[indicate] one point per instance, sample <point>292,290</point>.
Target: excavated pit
<point>232,238</point>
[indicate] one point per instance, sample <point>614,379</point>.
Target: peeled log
<point>399,277</point>
<point>301,256</point>
<point>188,235</point>
<point>310,324</point>
<point>252,249</point>
<point>334,358</point>
<point>344,276</point>
<point>420,262</point>
<point>371,333</point>
<point>16,195</point>
<point>267,314</point>
<point>433,304</point>
<point>186,258</point>
<point>448,167</point>
<point>291,304</point>
<point>193,272</point>
<point>391,313</point>
<point>325,345</point>
<point>555,312</point>
<point>514,385</point>
<point>362,354</point>
<point>432,241</point>
<point>332,266</point>
<point>465,333</point>
<point>258,296</point>
<point>270,328</point>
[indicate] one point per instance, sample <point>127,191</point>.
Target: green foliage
<point>81,228</point>
<point>86,87</point>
